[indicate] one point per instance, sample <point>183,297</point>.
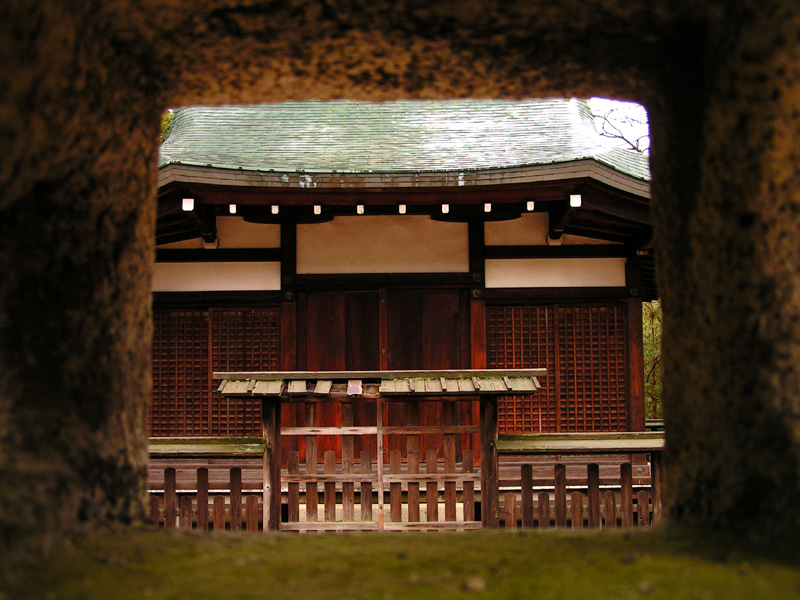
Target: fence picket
<point>219,513</point>
<point>366,487</point>
<point>510,512</point>
<point>251,513</point>
<point>577,510</point>
<point>170,498</point>
<point>593,479</point>
<point>610,509</point>
<point>544,510</point>
<point>330,487</point>
<point>236,498</point>
<point>468,465</point>
<point>526,485</point>
<point>186,512</point>
<point>293,497</point>
<point>432,487</point>
<point>626,493</point>
<point>202,499</point>
<point>560,474</point>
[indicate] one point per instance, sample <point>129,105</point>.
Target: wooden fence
<point>206,492</point>
<point>591,506</point>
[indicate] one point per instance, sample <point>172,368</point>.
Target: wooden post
<point>593,477</point>
<point>170,498</point>
<point>490,484</point>
<point>366,486</point>
<point>155,510</point>
<point>643,507</point>
<point>432,487</point>
<point>294,487</point>
<point>657,475</point>
<point>395,488</point>
<point>236,498</point>
<point>202,499</point>
<point>468,462</point>
<point>526,483</point>
<point>449,451</point>
<point>561,495</point>
<point>412,448</point>
<point>271,421</point>
<point>626,494</point>
<point>329,494</point>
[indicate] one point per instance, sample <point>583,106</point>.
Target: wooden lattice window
<point>180,373</point>
<point>188,346</point>
<point>241,340</point>
<point>583,348</point>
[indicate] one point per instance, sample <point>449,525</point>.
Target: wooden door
<point>343,330</point>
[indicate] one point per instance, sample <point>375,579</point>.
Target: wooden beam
<point>578,251</point>
<point>560,215</point>
<point>271,422</point>
<point>490,484</point>
<point>377,375</point>
<point>635,358</point>
<point>618,442</point>
<point>205,220</point>
<point>218,255</point>
<point>288,254</point>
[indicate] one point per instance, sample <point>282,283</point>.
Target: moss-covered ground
<point>665,563</point>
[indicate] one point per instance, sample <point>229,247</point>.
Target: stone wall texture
<point>81,90</point>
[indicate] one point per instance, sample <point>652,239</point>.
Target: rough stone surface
<point>80,93</point>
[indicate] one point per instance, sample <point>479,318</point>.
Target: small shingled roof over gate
<point>373,384</point>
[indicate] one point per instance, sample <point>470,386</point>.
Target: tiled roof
<point>404,136</point>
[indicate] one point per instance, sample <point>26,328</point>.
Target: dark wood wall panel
<point>583,348</point>
<point>520,337</point>
<point>592,367</point>
<point>188,346</point>
<point>241,340</point>
<point>181,376</point>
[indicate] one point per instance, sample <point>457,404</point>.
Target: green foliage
<point>651,330</point>
<point>166,124</point>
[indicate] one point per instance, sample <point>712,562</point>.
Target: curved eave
<point>182,173</point>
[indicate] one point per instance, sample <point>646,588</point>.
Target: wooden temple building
<point>355,237</point>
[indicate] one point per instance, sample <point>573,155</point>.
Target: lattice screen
<point>188,345</point>
<point>583,349</point>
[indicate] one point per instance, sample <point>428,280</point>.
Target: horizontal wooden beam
<point>622,442</point>
<point>205,447</point>
<point>576,251</point>
<point>218,255</point>
<point>378,375</point>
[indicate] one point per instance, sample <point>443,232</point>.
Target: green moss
<point>497,564</point>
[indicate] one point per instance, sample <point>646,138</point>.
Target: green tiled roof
<point>404,136</point>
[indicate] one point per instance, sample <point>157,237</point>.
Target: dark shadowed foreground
<point>658,564</point>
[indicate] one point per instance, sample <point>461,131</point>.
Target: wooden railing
<point>581,509</point>
<point>217,483</point>
<point>212,491</point>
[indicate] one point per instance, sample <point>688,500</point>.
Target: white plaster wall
<point>365,244</point>
<point>549,273</point>
<point>216,276</point>
<point>235,232</point>
<point>530,229</point>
